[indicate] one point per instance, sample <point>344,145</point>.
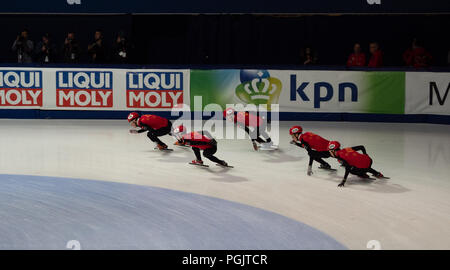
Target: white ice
<point>409,211</point>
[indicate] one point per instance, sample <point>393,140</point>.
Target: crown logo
<point>257,87</point>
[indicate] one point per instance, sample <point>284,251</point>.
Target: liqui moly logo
<point>154,89</point>
<point>20,88</point>
<point>84,89</point>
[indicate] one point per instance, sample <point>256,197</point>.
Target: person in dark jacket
<point>45,50</point>
<point>97,50</point>
<point>121,50</point>
<point>23,47</point>
<point>71,49</point>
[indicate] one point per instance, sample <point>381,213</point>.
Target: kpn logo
<point>257,87</point>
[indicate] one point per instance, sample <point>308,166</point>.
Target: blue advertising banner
<point>225,6</point>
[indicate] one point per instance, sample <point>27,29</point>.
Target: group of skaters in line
<point>354,159</point>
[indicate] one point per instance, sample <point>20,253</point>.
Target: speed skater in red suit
<point>315,145</point>
<point>353,161</point>
<point>254,125</point>
<point>155,126</point>
<point>199,141</point>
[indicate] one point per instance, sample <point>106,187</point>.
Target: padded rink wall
<point>319,95</point>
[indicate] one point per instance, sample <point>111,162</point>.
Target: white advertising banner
<point>427,93</point>
<point>22,88</point>
<point>93,89</point>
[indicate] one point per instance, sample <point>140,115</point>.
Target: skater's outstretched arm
<point>296,143</point>
<point>311,159</point>
<point>360,148</point>
<point>145,128</point>
<point>302,144</point>
<point>347,172</point>
<point>306,146</point>
<point>138,131</point>
<point>311,154</point>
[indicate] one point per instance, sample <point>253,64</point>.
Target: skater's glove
<point>309,173</point>
<point>341,184</point>
<point>133,131</point>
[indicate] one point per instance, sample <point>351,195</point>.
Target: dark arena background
<point>329,123</point>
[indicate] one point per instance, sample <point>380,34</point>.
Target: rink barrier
<point>283,116</point>
<point>107,92</point>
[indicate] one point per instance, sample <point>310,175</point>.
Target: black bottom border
<point>231,259</point>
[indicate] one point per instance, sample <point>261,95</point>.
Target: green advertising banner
<point>302,91</point>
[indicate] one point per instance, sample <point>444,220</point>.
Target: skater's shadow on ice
<point>378,185</point>
<point>170,156</point>
<point>158,152</point>
<point>228,178</point>
<point>175,158</point>
<point>278,156</point>
<point>373,185</point>
<point>221,175</point>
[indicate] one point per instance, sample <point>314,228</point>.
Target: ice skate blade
<point>166,149</point>
<point>330,169</point>
<point>228,166</point>
<point>262,148</point>
<point>201,165</point>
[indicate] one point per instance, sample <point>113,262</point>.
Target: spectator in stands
<point>121,49</point>
<point>96,50</point>
<point>71,49</point>
<point>45,50</point>
<point>308,56</point>
<point>23,47</point>
<point>376,58</point>
<point>357,58</point>
<point>416,56</point>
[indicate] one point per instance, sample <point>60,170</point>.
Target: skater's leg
<point>169,128</point>
<point>209,154</point>
<point>252,138</point>
<point>197,153</point>
<point>360,172</point>
<point>154,138</point>
<point>266,136</point>
<point>153,135</point>
<point>322,162</point>
<point>253,134</point>
<point>374,172</point>
<point>263,132</point>
<point>259,139</point>
<point>318,156</point>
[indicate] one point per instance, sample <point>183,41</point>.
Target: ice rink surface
<point>411,210</point>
